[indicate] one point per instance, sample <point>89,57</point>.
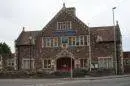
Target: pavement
<point>95,78</point>
<point>116,80</point>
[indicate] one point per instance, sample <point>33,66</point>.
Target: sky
<point>35,14</point>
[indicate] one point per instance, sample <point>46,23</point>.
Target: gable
<point>23,38</point>
<point>103,34</point>
<point>78,27</point>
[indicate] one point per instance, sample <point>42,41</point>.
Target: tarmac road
<point>124,81</point>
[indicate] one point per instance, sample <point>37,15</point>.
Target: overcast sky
<point>35,14</point>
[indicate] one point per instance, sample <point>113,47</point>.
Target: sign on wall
<point>65,32</point>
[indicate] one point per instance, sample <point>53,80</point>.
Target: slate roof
<point>23,38</point>
<point>105,32</point>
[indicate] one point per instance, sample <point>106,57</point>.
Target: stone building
<point>8,61</point>
<point>126,60</point>
<point>66,42</point>
<point>1,61</point>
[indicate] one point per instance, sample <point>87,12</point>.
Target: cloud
<point>35,14</point>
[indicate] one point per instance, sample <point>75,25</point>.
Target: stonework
<point>61,45</point>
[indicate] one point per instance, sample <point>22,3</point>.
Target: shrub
<point>101,72</point>
<point>60,74</point>
<point>79,72</point>
<point>8,68</point>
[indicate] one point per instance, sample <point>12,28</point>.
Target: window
<point>55,42</point>
<point>10,62</point>
<point>81,40</point>
<point>105,62</point>
<point>47,63</point>
<point>51,42</point>
<point>64,25</point>
<point>77,40</point>
<point>83,63</point>
<point>26,63</point>
<point>64,39</point>
<point>48,42</point>
<point>72,41</point>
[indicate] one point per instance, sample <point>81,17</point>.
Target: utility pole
<point>114,31</point>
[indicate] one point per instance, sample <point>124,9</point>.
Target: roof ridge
<point>33,31</point>
<point>101,27</point>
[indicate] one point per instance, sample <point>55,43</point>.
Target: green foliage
<point>79,72</point>
<point>4,49</point>
<point>101,72</point>
<point>8,68</point>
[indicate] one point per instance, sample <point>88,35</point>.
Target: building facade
<point>66,42</point>
<point>1,62</point>
<point>126,60</point>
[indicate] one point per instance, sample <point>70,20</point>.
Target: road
<point>61,82</point>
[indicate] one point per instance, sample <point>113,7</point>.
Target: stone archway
<point>65,63</point>
<point>64,60</point>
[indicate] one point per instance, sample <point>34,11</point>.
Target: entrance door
<point>64,64</point>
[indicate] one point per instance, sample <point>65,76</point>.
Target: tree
<point>4,49</point>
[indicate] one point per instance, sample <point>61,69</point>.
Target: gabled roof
<point>106,32</point>
<point>70,13</point>
<point>23,39</point>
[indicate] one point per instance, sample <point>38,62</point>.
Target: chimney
<point>23,28</point>
<point>71,11</point>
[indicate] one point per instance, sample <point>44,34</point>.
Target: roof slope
<point>106,32</point>
<point>23,39</point>
<point>71,12</point>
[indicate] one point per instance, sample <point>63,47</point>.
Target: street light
<point>115,55</point>
<point>90,56</point>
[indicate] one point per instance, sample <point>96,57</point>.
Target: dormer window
<point>66,25</point>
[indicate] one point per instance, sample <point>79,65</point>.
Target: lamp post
<point>90,56</point>
<point>114,31</point>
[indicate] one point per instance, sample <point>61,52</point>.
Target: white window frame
<point>48,40</point>
<point>67,39</point>
<point>77,37</point>
<point>54,43</point>
<point>66,25</point>
<point>81,39</point>
<point>47,64</point>
<point>71,44</point>
<point>83,62</point>
<point>32,63</point>
<point>104,60</point>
